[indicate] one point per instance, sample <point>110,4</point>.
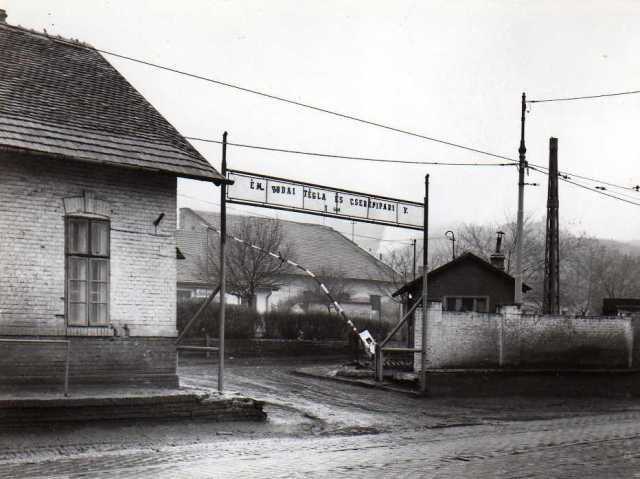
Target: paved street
<point>325,429</point>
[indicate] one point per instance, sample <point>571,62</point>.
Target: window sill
<point>89,330</point>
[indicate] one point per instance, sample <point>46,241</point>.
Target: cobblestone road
<point>356,433</point>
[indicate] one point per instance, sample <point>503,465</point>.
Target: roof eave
<point>214,177</point>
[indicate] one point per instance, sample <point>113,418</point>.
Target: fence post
<point>379,361</point>
<point>629,334</point>
<point>207,343</point>
<point>66,369</point>
<point>501,340</point>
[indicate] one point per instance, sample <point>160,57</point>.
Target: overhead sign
<point>279,193</point>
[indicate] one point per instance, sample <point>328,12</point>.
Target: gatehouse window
<point>478,304</point>
<point>87,272</point>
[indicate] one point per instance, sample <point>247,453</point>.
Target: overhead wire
<point>594,190</point>
<point>435,163</point>
<point>347,157</point>
<point>355,118</point>
<point>587,178</point>
<point>586,97</point>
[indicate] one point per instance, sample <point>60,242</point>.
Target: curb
<point>355,382</point>
<point>156,407</point>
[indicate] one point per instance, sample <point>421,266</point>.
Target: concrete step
<point>18,411</point>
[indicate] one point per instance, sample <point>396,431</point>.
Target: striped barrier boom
<point>281,258</point>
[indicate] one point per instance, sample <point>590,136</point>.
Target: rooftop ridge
<point>72,42</point>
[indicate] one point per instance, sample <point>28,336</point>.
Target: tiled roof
<point>65,100</point>
<point>316,247</point>
<point>192,245</point>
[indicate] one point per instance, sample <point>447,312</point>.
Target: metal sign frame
<point>265,204</point>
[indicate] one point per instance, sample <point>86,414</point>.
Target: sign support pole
<point>223,241</point>
<point>425,303</point>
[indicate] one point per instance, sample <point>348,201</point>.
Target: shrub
<point>240,321</point>
<point>317,325</point>
<point>378,329</point>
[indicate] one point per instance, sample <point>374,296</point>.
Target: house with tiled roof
<point>88,173</point>
<point>365,282</point>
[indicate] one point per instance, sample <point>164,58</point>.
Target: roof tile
<point>65,99</point>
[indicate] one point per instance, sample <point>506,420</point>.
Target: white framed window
<point>87,271</point>
<point>479,304</point>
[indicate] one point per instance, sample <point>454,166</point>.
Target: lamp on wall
<point>157,221</point>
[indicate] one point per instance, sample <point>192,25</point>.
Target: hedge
<point>242,323</point>
<point>286,325</point>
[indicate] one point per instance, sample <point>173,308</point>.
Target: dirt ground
<point>318,428</point>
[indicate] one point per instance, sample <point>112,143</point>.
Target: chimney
<point>497,258</point>
<point>3,16</point>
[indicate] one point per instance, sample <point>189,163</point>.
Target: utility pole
<point>551,304</point>
<point>522,164</point>
<point>223,242</point>
<point>425,305</point>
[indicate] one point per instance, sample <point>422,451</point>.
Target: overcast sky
<point>451,70</point>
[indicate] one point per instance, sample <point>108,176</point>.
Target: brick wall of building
<point>138,361</point>
<point>512,340</point>
<point>32,256</point>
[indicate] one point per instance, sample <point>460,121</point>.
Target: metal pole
<point>452,237</point>
<point>522,164</point>
<point>223,241</point>
<point>425,305</point>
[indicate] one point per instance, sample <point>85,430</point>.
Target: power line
<point>351,117</point>
<point>297,103</point>
<point>346,157</point>
<point>587,97</point>
<point>582,177</point>
<point>600,192</point>
<point>361,158</point>
<point>346,116</point>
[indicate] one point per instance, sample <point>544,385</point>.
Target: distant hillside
<point>625,247</point>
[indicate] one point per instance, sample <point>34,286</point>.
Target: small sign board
<point>368,342</point>
<point>279,193</point>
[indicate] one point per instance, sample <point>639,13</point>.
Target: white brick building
<point>365,282</point>
<point>88,174</point>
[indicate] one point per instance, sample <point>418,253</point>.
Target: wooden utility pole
<point>223,242</point>
<point>551,302</point>
<point>425,304</point>
<point>522,164</point>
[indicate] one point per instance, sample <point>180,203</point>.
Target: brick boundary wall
<point>512,340</point>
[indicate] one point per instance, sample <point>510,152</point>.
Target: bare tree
<point>249,269</point>
<point>481,240</point>
<point>336,283</point>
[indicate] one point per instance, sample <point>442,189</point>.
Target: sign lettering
<point>270,192</point>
